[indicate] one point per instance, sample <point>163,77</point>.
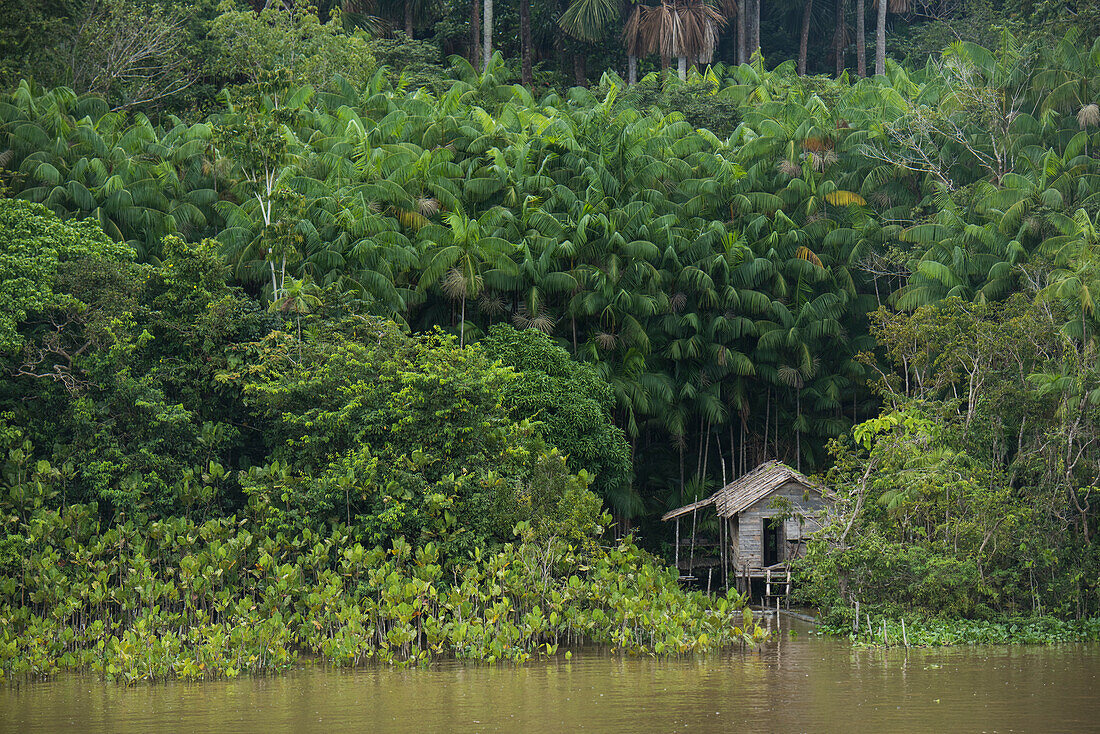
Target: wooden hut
<point>764,518</point>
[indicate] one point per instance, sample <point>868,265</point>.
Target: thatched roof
<point>743,492</point>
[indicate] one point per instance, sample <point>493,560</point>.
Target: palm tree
<point>881,6</point>
<point>475,33</point>
<point>861,39</point>
<point>840,36</point>
<point>526,74</point>
<point>632,42</point>
<point>461,256</point>
<point>687,29</point>
<point>487,21</point>
<point>588,20</point>
<point>804,35</point>
<point>299,297</point>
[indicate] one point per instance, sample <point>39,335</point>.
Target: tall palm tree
<point>881,6</point>
<point>461,256</point>
<point>487,28</point>
<point>687,29</point>
<point>840,35</point>
<point>804,34</point>
<point>475,33</point>
<point>861,39</point>
<point>526,74</point>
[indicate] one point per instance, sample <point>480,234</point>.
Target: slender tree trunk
<point>475,33</point>
<point>527,76</point>
<point>631,69</point>
<point>742,39</point>
<point>755,49</point>
<point>681,474</point>
<point>838,37</point>
<point>682,67</point>
<point>861,39</point>
<point>880,38</point>
<point>488,23</point>
<point>767,421</point>
<point>804,38</point>
<point>580,70</point>
<point>408,18</point>
<point>462,325</point>
<point>706,451</point>
<point>798,431</point>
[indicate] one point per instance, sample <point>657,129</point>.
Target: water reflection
<point>799,683</point>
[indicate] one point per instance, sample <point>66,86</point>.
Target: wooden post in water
<point>885,639</point>
<point>855,622</point>
<point>904,634</point>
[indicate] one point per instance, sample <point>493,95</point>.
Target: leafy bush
<point>573,402</point>
<point>276,48</point>
<point>398,436</point>
<point>34,246</point>
<point>698,102</point>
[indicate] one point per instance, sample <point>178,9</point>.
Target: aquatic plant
<point>176,598</point>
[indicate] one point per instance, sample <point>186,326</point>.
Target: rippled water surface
<point>799,683</point>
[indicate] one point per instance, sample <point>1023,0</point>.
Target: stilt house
<point>764,518</point>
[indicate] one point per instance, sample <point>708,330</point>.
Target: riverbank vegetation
<point>931,632</point>
<point>423,309</point>
<point>387,503</point>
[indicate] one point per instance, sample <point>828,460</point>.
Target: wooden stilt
<point>722,550</point>
<point>694,516</point>
<point>678,547</point>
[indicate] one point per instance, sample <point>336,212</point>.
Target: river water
<point>798,683</point>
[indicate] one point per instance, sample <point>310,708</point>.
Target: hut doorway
<point>773,540</point>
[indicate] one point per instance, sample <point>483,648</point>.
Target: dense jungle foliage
<point>448,320</point>
<point>197,486</point>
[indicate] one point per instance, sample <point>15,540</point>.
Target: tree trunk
<point>487,52</point>
<point>631,69</point>
<point>526,74</point>
<point>462,324</point>
<point>409,18</point>
<point>755,46</point>
<point>580,71</point>
<point>804,39</point>
<point>742,40</point>
<point>797,430</point>
<point>682,67</point>
<point>880,39</point>
<point>838,36</point>
<point>475,33</point>
<point>861,39</point>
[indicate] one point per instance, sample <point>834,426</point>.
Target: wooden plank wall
<point>748,548</point>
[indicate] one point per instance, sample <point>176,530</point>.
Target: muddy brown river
<point>799,683</point>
